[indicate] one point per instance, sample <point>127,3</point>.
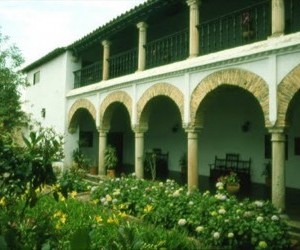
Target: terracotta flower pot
<point>93,170</point>
<point>233,188</point>
<point>111,173</point>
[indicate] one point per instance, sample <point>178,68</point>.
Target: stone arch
<point>159,89</point>
<point>106,107</point>
<point>81,104</point>
<point>234,77</point>
<point>286,90</point>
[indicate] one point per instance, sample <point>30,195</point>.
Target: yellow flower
<point>98,219</point>
<point>73,194</point>
<point>2,201</point>
<point>123,206</point>
<point>112,220</point>
<point>58,226</point>
<point>63,218</point>
<point>148,208</point>
<point>57,214</point>
<point>122,214</point>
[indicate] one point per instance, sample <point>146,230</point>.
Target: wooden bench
<point>231,163</point>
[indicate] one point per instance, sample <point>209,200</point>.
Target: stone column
<point>139,152</point>
<point>192,162</point>
<point>278,169</point>
<point>194,22</point>
<point>142,26</point>
<point>102,147</point>
<point>105,66</point>
<point>278,19</point>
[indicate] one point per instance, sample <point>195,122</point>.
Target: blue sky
<point>39,26</point>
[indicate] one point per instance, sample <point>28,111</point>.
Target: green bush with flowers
<point>216,220</point>
<point>73,224</point>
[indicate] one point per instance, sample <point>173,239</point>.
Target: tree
<point>11,81</point>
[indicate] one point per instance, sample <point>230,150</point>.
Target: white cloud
<point>38,27</point>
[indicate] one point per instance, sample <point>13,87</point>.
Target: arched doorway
<point>84,136</point>
<point>232,122</point>
<point>120,136</point>
<point>165,135</point>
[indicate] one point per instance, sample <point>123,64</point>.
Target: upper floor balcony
<point>238,27</point>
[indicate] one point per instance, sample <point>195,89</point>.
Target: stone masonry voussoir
<point>81,104</point>
<point>237,77</point>
<point>160,89</point>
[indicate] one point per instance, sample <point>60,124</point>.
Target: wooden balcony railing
<point>168,49</point>
<point>123,63</point>
<point>88,75</point>
<point>241,27</point>
<point>244,26</point>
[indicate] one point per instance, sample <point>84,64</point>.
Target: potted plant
<point>80,161</point>
<point>246,24</point>
<point>267,173</point>
<point>110,160</point>
<point>231,182</point>
<point>183,164</point>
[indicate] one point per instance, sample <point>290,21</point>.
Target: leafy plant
<point>110,157</point>
<point>230,179</point>
<point>81,161</point>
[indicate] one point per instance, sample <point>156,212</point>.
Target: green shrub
<point>216,220</point>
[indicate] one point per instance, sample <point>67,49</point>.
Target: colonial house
<point>201,78</point>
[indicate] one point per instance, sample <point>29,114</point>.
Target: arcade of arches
<point>219,107</point>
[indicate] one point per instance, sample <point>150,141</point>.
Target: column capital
<point>193,2</point>
<point>276,130</point>
<point>193,129</point>
<point>102,130</point>
<point>139,128</point>
<point>106,43</point>
<point>142,25</point>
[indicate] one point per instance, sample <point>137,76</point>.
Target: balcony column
<point>105,71</point>
<point>102,147</point>
<point>139,152</point>
<point>278,19</point>
<point>194,22</point>
<point>278,171</point>
<point>142,26</point>
<point>192,162</point>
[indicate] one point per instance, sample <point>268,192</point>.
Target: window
<point>86,139</point>
<point>36,77</point>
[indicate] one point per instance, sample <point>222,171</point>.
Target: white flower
<point>216,235</point>
<point>114,201</point>
<point>220,185</point>
<point>259,203</point>
<point>103,200</point>
<point>93,189</point>
<point>221,197</point>
<point>161,184</point>
<point>259,219</point>
<point>191,203</point>
<point>176,193</point>
<point>222,211</point>
<point>275,217</point>
<point>117,192</point>
<point>182,222</point>
<point>199,229</point>
<point>230,235</point>
<point>247,214</point>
